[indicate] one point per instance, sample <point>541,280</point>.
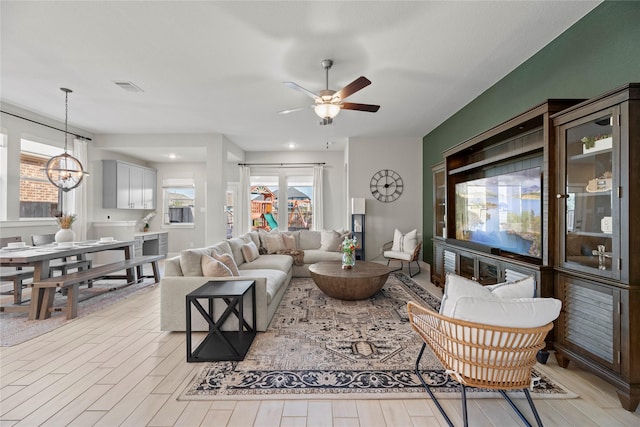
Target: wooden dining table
<point>40,257</point>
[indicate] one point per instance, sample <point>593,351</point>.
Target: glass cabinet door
<point>590,186</point>
<point>439,202</point>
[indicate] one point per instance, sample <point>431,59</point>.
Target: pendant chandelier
<point>65,171</point>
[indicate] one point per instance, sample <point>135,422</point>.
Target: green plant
<point>590,141</point>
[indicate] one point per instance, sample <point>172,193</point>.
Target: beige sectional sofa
<point>272,273</point>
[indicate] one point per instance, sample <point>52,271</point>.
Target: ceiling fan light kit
<point>328,103</point>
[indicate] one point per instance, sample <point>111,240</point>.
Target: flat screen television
<point>502,212</point>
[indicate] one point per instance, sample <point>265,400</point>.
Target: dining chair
<point>16,275</point>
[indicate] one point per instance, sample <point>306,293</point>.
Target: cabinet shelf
<point>594,194</point>
<point>588,234</point>
<point>578,157</point>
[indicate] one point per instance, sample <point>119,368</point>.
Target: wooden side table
<point>219,344</point>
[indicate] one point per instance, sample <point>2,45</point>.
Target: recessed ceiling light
<point>171,156</point>
<point>292,145</point>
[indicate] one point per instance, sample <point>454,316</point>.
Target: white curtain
<point>318,203</point>
<point>78,196</point>
<point>244,202</point>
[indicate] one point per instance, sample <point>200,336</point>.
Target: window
<point>178,201</point>
<point>264,202</point>
<point>299,203</point>
<point>38,197</point>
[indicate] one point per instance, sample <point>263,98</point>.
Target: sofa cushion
<point>309,240</point>
<point>236,247</point>
<point>311,256</point>
<point>404,242</point>
<point>227,260</point>
<point>513,313</point>
<point>190,261</point>
<point>221,248</point>
<point>275,280</point>
<point>172,267</point>
<point>250,252</point>
<point>255,237</point>
<point>211,267</point>
<point>331,240</point>
<point>273,242</point>
<point>275,262</point>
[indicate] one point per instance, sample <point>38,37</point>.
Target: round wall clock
<point>386,185</point>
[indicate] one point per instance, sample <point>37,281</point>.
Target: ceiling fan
<point>328,103</point>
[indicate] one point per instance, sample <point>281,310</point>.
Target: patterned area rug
<point>16,328</point>
<point>321,347</point>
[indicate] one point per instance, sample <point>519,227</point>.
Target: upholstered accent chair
<point>403,248</point>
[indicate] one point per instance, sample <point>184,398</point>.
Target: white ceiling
<point>218,66</point>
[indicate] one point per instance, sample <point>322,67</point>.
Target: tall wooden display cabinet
<point>598,238</point>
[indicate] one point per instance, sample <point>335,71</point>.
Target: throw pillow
<point>330,241</point>
<point>513,313</point>
<point>190,260</point>
<point>250,252</point>
<point>273,242</point>
<point>525,288</point>
<point>458,286</point>
<point>404,242</point>
<point>289,242</point>
<point>211,267</point>
<point>227,260</point>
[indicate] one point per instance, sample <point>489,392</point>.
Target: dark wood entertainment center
<point>587,253</point>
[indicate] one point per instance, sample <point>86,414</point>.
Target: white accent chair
<point>403,248</point>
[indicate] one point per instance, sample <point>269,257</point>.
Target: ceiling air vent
<point>128,86</point>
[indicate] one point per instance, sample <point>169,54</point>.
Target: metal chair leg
<point>533,407</point>
<point>520,414</point>
<point>411,275</point>
<point>426,387</point>
<point>465,418</point>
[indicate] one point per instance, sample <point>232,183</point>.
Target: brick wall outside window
<point>34,186</point>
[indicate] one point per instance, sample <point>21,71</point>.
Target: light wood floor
<point>115,367</point>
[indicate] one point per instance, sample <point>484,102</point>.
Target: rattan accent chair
<point>478,355</point>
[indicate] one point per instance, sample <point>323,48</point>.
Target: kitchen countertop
<point>147,233</point>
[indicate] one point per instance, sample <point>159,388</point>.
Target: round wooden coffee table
<point>360,282</point>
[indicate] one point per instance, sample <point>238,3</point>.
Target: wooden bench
<point>44,290</point>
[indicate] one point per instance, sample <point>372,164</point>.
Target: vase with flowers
<point>65,234</point>
<point>348,249</point>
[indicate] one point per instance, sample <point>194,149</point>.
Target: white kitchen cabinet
<point>127,186</point>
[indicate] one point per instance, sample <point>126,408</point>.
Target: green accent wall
<point>595,55</point>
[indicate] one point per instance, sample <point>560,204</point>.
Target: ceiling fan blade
<point>291,110</point>
<point>299,88</point>
<point>360,107</point>
<point>353,87</point>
